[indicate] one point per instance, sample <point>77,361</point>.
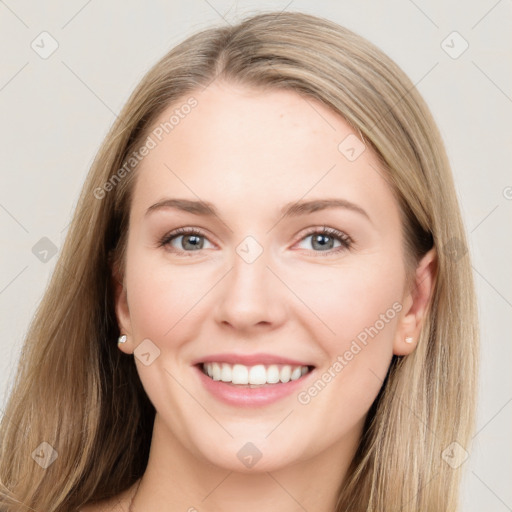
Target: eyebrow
<point>293,209</point>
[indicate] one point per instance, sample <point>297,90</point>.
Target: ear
<point>122,309</point>
<point>415,303</point>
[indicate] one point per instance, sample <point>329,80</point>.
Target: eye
<point>184,240</point>
<point>325,239</point>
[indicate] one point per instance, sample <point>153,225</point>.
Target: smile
<point>253,376</point>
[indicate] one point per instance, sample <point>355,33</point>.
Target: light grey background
<point>56,111</point>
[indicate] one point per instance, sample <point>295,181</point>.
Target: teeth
<point>286,373</point>
<point>216,371</point>
<point>239,374</point>
<point>296,373</point>
<point>225,373</point>
<point>257,375</point>
<point>273,374</point>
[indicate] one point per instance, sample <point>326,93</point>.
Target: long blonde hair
<point>77,392</point>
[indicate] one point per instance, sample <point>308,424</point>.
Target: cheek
<point>161,296</point>
<point>362,309</point>
<point>353,298</point>
<point>360,305</point>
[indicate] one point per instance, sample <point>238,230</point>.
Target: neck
<point>176,479</point>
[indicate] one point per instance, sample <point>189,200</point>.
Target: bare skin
<point>249,153</point>
<point>119,503</point>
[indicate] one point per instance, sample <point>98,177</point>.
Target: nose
<point>250,297</point>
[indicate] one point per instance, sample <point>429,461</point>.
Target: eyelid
<point>328,231</point>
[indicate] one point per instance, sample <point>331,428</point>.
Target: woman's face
<point>256,290</point>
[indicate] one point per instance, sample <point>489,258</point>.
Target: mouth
<point>255,376</point>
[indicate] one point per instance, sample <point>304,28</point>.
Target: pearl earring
<point>409,339</point>
<point>122,339</point>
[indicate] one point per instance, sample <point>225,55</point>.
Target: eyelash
<point>343,238</point>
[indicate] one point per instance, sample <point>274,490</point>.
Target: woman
<point>264,300</point>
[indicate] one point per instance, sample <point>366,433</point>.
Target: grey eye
<point>189,242</point>
<point>321,242</point>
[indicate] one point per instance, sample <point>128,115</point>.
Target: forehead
<point>258,147</point>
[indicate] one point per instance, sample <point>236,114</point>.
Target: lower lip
<point>242,396</point>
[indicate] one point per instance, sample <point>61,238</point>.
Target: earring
<point>409,339</point>
<point>122,339</point>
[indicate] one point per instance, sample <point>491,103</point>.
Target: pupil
<point>318,239</point>
<point>195,242</point>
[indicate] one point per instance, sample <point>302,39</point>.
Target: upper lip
<point>250,359</point>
